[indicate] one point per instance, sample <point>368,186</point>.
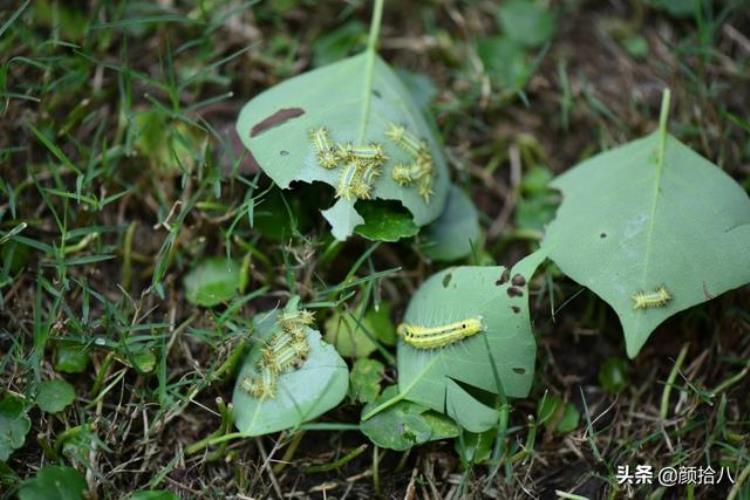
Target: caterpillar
<point>435,337</point>
<point>347,187</point>
<point>263,387</point>
<point>365,183</point>
<point>658,298</point>
<point>323,147</point>
<point>371,154</point>
<point>406,140</point>
<point>420,172</point>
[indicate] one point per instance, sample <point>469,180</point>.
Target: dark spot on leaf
<point>516,309</point>
<point>603,235</point>
<point>503,278</point>
<point>515,292</point>
<point>376,93</point>
<point>278,118</point>
<point>283,152</point>
<point>447,280</point>
<point>519,371</point>
<point>518,280</point>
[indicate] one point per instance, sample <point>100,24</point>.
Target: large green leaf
<point>456,232</point>
<point>648,214</point>
<point>356,99</point>
<point>501,358</point>
<point>301,395</point>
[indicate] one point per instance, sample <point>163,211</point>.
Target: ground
<point>113,219</point>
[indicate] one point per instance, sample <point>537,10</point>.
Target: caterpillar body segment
<point>325,153</point>
<point>406,140</point>
<point>435,337</point>
<point>659,298</point>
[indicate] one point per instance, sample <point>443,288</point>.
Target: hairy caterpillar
<point>347,187</point>
<point>323,147</point>
<point>419,172</point>
<point>434,337</point>
<point>263,387</point>
<point>365,183</point>
<point>659,298</point>
<point>370,154</point>
<point>406,140</point>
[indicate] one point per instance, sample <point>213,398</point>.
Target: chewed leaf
<point>290,376</point>
<point>651,233</point>
<point>332,125</point>
<point>447,377</point>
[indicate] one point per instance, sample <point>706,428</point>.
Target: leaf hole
<point>447,280</point>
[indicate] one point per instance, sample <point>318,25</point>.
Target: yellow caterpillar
<point>659,298</point>
<point>434,337</point>
<point>322,143</point>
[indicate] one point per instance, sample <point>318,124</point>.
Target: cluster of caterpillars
<point>420,171</point>
<point>284,351</point>
<point>363,164</point>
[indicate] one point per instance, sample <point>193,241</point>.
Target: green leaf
<point>556,415</point>
<point>301,394</point>
<point>71,357</point>
<point>357,100</point>
<point>364,380</point>
<point>55,395</point>
<point>153,495</point>
<point>385,222</point>
<point>405,424</point>
<point>613,375</point>
<point>456,232</point>
<point>212,281</point>
<point>526,22</point>
<point>506,62</point>
<point>14,424</point>
<point>382,326</point>
<point>453,378</point>
<point>421,87</point>
<point>473,447</point>
<point>54,482</point>
<point>650,214</point>
<point>349,336</point>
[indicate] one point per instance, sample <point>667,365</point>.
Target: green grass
<point>118,174</point>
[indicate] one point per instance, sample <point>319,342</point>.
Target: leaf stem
<point>663,118</point>
<point>377,17</point>
<point>372,42</point>
<point>664,410</point>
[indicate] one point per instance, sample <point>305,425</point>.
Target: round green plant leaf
<point>457,378</point>
<point>54,482</point>
<point>364,380</point>
<point>526,21</point>
<point>302,394</point>
<point>14,424</point>
<point>648,215</point>
<point>71,357</point>
<point>456,232</point>
<point>352,338</point>
<point>613,375</point>
<point>356,100</point>
<point>506,62</point>
<point>405,424</point>
<point>385,222</point>
<point>212,281</point>
<point>55,395</point>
